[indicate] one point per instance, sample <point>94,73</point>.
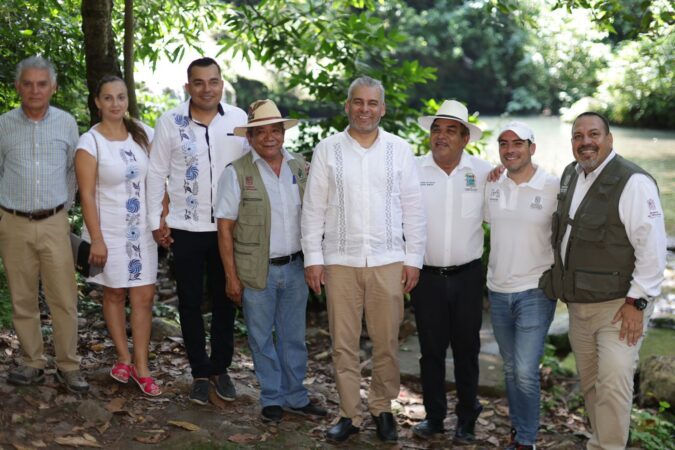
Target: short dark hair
<point>202,62</point>
<point>463,129</point>
<point>593,114</point>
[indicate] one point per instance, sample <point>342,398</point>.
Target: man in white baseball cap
<point>258,211</point>
<point>448,300</point>
<point>519,207</point>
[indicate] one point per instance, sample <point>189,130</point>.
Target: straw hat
<point>453,110</point>
<point>263,112</point>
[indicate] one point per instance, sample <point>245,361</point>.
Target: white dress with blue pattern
<point>132,252</point>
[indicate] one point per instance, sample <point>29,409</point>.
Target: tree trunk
<point>129,56</point>
<point>99,47</point>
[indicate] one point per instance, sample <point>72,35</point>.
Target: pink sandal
<point>147,384</point>
<point>121,372</point>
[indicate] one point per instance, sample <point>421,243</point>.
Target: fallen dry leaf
<point>494,441</point>
<point>103,428</point>
<point>151,439</point>
<point>77,441</point>
<point>38,444</point>
<point>115,405</point>
<point>185,425</point>
<point>243,438</point>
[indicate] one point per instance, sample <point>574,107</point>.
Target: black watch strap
<point>639,303</point>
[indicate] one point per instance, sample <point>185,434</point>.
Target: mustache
<point>589,147</point>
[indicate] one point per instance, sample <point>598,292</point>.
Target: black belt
<point>281,260</point>
<point>40,214</point>
<point>449,270</point>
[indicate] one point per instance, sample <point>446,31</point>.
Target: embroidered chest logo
<point>427,183</point>
<point>536,204</point>
<point>495,194</point>
<point>470,179</point>
<point>248,183</point>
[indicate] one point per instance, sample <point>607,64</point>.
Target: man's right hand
<point>495,173</point>
<point>315,276</point>
<point>234,289</point>
<point>162,235</point>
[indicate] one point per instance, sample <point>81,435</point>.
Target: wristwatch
<point>639,303</point>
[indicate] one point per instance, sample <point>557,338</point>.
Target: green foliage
<point>318,48</point>
<point>51,28</point>
<point>551,361</point>
<point>5,300</point>
<point>652,431</point>
<point>637,85</point>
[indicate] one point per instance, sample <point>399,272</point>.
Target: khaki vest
<point>252,229</point>
<point>600,259</point>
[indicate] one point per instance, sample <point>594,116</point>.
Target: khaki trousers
<point>606,367</point>
<point>377,292</point>
<point>40,249</point>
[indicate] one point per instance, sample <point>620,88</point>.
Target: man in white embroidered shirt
<point>609,256</point>
<point>193,143</point>
<point>362,199</point>
<point>449,299</point>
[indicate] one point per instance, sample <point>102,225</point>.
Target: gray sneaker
<point>25,376</point>
<point>199,393</point>
<point>224,387</point>
<point>73,380</point>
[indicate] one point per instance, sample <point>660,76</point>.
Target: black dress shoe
<point>386,427</point>
<point>341,430</point>
<point>427,428</point>
<point>272,413</point>
<point>464,434</point>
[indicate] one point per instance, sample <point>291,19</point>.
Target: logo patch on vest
<point>248,183</point>
<point>565,184</point>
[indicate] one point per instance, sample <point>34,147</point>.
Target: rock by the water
<point>657,380</point>
<point>164,328</point>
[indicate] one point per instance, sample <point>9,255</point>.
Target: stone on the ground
<point>163,328</point>
<point>94,411</point>
<point>657,380</point>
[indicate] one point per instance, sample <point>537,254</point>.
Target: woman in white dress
<point>114,210</point>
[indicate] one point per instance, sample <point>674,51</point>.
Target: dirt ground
<point>117,416</point>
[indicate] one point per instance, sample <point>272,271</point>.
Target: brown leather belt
<point>40,214</point>
<point>282,260</point>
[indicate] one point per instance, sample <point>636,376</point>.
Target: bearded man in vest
<point>609,247</point>
<point>258,211</point>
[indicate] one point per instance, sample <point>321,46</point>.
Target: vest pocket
<point>600,286</point>
<point>590,227</point>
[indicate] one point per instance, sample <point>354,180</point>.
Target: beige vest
<point>252,229</point>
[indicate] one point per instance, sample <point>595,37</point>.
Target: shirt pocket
<point>472,203</point>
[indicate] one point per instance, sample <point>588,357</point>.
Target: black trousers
<point>196,253</point>
<point>448,311</point>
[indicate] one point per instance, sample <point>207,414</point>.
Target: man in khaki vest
<point>258,211</point>
<point>609,247</point>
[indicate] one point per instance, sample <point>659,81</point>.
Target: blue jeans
<point>275,318</point>
<point>520,322</point>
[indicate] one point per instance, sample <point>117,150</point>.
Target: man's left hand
<point>631,323</point>
<point>410,277</point>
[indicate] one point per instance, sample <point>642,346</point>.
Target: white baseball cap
<point>521,129</point>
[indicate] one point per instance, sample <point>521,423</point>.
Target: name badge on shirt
<point>427,183</point>
<point>470,179</point>
<point>536,204</point>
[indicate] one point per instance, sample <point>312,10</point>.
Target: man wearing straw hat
<point>258,211</point>
<point>362,198</point>
<point>448,300</point>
